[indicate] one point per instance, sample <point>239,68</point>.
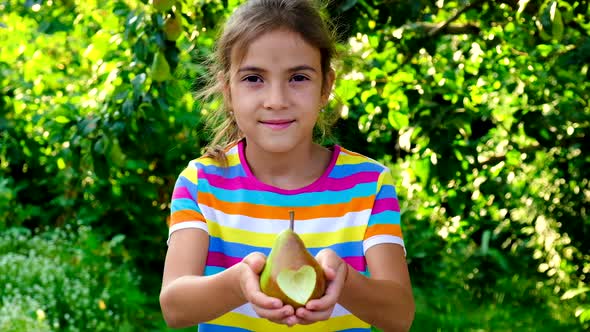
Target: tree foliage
<point>481,108</point>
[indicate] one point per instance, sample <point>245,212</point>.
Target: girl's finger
<point>251,289</point>
<point>332,294</point>
<point>291,321</point>
<point>276,315</point>
<point>255,261</point>
<point>329,272</point>
<point>258,298</point>
<point>308,317</point>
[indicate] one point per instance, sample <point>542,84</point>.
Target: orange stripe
<point>275,212</point>
<point>185,215</point>
<point>381,229</point>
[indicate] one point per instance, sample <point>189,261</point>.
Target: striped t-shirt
<point>350,208</point>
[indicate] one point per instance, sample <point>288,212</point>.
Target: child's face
<point>275,91</point>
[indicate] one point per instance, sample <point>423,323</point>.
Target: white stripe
<point>378,239</point>
<point>248,310</point>
<point>274,226</point>
<point>186,224</point>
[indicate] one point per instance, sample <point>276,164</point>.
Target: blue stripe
<point>341,171</point>
<point>346,249</point>
<point>227,172</point>
<point>219,328</point>
<point>387,191</point>
<point>211,270</point>
<point>300,200</point>
<point>185,182</point>
<point>184,204</point>
<point>234,249</point>
<point>239,250</point>
<point>385,218</point>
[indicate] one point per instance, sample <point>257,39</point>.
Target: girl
<point>274,76</point>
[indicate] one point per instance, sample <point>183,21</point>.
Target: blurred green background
<point>480,108</point>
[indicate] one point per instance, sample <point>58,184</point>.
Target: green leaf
<point>87,126</point>
<point>544,50</point>
<point>62,119</point>
<point>397,119</point>
<point>421,168</point>
<point>100,165</point>
<point>574,292</point>
<point>346,5</point>
<point>485,242</point>
<point>365,95</point>
<point>347,89</point>
<point>101,145</point>
<point>521,7</point>
<point>583,313</point>
<point>556,21</point>
<point>403,76</point>
<point>116,155</point>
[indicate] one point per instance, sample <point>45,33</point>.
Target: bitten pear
<point>291,273</point>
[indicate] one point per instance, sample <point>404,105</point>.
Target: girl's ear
<point>327,86</point>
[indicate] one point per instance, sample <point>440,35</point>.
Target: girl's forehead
<point>275,48</point>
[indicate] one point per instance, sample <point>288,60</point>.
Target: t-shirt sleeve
<point>384,222</point>
<point>184,208</point>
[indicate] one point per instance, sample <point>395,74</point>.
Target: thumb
<point>255,261</point>
<point>329,261</point>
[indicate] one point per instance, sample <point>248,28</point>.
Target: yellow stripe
<point>190,173</point>
<point>232,160</point>
<point>311,240</point>
<point>345,159</point>
<point>260,324</point>
<point>385,178</point>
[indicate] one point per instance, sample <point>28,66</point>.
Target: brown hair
<point>248,22</point>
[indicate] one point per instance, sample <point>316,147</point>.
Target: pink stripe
<point>327,184</point>
<point>181,192</point>
<point>385,204</point>
<point>221,260</point>
<point>357,262</point>
<point>351,181</point>
<point>262,186</point>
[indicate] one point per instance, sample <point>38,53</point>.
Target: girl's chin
<point>276,145</point>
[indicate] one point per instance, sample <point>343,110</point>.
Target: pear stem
<point>292,220</point>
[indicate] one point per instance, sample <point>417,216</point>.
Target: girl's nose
<point>276,97</point>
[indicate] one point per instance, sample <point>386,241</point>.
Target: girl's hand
<point>336,271</point>
<point>265,306</point>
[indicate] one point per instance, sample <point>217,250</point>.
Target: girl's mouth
<point>277,124</point>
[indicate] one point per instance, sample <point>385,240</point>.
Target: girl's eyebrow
<point>251,69</point>
<point>302,68</point>
<point>262,70</point>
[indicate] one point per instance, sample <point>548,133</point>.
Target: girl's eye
<point>299,78</point>
<point>252,79</point>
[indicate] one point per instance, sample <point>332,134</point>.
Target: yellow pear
<point>160,68</point>
<point>291,273</point>
<point>172,28</point>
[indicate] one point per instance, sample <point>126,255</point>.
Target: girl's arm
<point>385,299</point>
<point>186,297</point>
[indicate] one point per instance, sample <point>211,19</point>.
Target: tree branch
<point>443,25</point>
<point>495,159</point>
<point>451,29</point>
